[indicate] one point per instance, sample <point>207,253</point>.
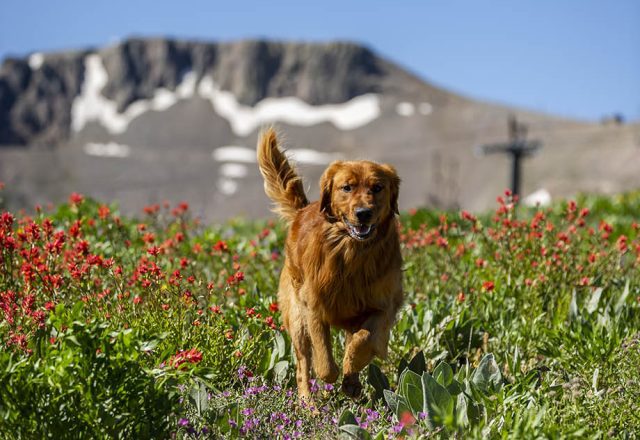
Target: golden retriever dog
<point>342,263</point>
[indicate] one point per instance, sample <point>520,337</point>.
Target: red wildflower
<point>622,243</point>
<point>192,356</point>
<point>488,286</point>
<point>467,216</point>
<point>407,419</point>
<point>584,281</point>
<point>269,321</point>
<point>442,242</point>
<point>221,246</point>
<point>273,307</point>
<point>103,211</point>
<point>151,209</point>
<point>75,198</point>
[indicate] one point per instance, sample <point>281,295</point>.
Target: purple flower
<point>422,415</point>
<point>233,423</point>
<point>328,387</point>
<point>372,415</point>
<point>314,386</point>
<point>298,423</point>
<point>247,411</point>
<point>183,422</point>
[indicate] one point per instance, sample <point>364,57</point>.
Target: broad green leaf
<point>403,365</point>
<point>439,404</point>
<point>592,305</point>
<point>198,395</point>
<point>415,399</point>
<point>280,371</point>
<point>280,346</point>
<point>443,374</point>
<point>487,376</point>
<point>454,387</point>
<point>396,403</point>
<point>621,301</point>
<point>407,378</point>
<point>354,431</point>
<point>418,364</point>
<point>462,419</point>
<point>573,306</point>
<point>347,418</point>
<point>392,400</point>
<point>378,381</point>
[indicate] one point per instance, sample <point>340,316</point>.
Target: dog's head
<point>360,195</point>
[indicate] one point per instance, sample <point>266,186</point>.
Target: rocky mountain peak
<point>37,92</point>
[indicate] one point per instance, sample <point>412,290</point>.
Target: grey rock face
<point>35,104</point>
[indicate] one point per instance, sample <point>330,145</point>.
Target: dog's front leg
<point>361,346</point>
<point>322,357</point>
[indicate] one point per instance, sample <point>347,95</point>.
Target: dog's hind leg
<point>302,348</point>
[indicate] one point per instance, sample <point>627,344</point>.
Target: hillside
<point>154,119</point>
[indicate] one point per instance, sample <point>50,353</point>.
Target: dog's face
<point>359,195</point>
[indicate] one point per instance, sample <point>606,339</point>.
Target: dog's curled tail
<point>281,183</point>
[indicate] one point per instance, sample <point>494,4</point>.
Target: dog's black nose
<point>364,214</point>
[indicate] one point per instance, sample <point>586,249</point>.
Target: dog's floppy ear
<point>394,184</point>
<point>326,186</point>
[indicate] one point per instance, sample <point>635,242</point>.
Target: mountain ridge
<point>146,120</point>
<point>35,103</point>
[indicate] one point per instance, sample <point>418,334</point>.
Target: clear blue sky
<point>577,58</point>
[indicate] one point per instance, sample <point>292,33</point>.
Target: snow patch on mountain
<point>91,105</point>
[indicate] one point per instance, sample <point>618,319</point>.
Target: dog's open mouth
<point>359,232</point>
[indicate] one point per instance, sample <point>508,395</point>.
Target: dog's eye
<point>376,188</point>
<point>346,188</point>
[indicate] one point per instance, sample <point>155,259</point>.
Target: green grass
<point>521,323</point>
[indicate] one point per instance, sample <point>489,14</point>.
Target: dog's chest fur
<point>345,280</point>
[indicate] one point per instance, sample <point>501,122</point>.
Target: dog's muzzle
<point>359,232</point>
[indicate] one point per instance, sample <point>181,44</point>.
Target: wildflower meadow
<point>518,323</point>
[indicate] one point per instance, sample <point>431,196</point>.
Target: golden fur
<point>342,265</point>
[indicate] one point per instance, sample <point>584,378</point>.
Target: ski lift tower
<point>517,146</point>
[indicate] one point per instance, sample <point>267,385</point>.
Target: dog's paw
<point>351,386</point>
<point>329,374</point>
